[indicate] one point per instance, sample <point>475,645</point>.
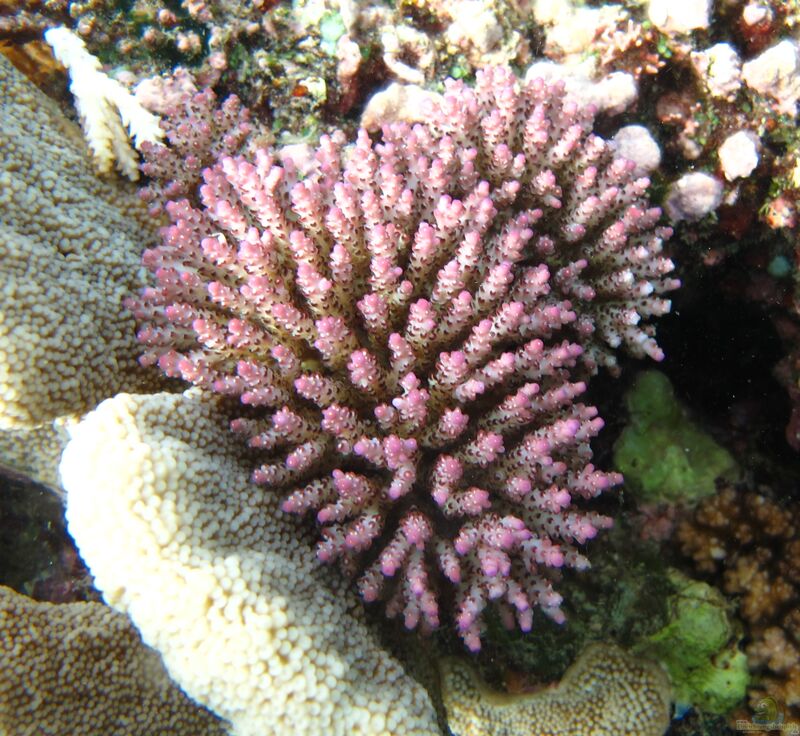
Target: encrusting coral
<point>35,453</point>
<point>81,668</point>
<point>70,247</point>
<point>699,648</point>
<point>222,583</point>
<point>404,323</point>
<point>606,692</point>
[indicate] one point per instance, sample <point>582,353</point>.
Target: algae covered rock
<point>664,456</point>
<point>699,648</point>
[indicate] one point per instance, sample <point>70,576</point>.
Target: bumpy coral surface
<point>69,253</point>
<point>401,321</point>
<point>605,692</point>
<point>82,668</point>
<point>220,582</point>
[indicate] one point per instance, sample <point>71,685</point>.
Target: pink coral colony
<point>405,323</point>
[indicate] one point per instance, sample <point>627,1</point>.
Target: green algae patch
<point>699,648</point>
<point>663,454</point>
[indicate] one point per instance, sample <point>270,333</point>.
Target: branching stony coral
<point>199,131</point>
<point>113,121</point>
<point>402,322</point>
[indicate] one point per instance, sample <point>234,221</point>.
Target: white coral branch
<point>110,115</point>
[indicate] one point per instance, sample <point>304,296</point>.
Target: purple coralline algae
<point>409,325</point>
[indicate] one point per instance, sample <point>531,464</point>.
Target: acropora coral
<point>403,322</point>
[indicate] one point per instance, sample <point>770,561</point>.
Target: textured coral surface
<point>605,692</point>
<point>81,668</point>
<point>69,252</point>
<point>223,584</point>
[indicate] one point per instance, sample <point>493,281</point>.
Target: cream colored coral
<point>606,692</point>
<point>108,111</point>
<point>80,669</point>
<point>406,102</point>
<point>70,250</point>
<point>611,93</point>
<point>776,74</point>
<point>221,582</point>
<point>571,30</point>
<point>35,453</point>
